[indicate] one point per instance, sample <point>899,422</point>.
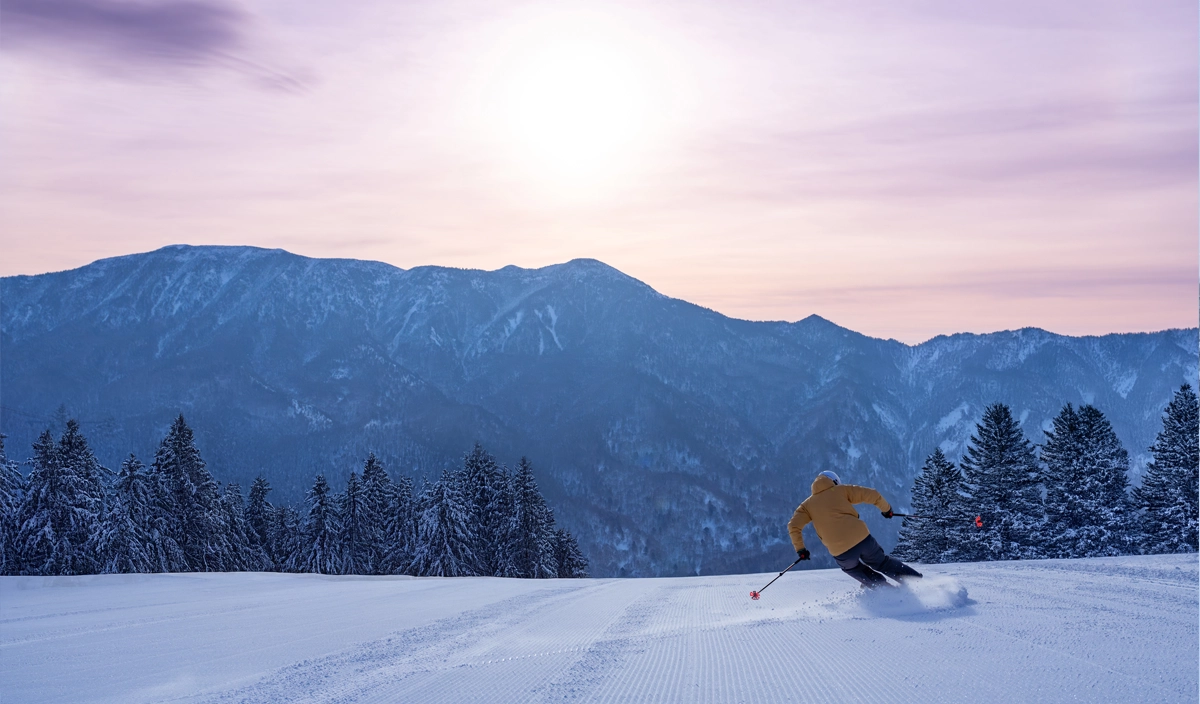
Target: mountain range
<point>670,439</point>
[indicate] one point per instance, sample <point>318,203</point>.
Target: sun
<point>575,108</point>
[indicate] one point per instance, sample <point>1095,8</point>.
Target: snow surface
<point>1112,629</point>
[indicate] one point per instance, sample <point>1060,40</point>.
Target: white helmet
<point>832,475</point>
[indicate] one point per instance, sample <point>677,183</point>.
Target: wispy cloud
<point>140,38</point>
<point>196,31</point>
<point>1076,143</point>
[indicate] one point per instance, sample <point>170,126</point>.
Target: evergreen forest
<point>1070,496</point>
<point>1006,498</point>
<point>70,516</point>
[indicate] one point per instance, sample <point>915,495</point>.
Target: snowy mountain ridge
<point>671,439</point>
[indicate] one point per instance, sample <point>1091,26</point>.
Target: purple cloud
<point>163,34</point>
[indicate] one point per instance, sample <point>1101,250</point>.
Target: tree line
<point>1069,497</point>
<point>73,516</point>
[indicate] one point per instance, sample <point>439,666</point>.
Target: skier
<point>831,511</point>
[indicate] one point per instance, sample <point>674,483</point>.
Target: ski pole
<point>755,595</point>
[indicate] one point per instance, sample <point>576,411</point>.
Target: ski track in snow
<point>1113,629</point>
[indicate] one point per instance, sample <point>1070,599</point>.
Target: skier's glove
<point>803,554</point>
<point>888,513</point>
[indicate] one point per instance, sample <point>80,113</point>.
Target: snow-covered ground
<point>1118,629</point>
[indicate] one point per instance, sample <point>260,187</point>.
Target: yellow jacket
<point>831,511</point>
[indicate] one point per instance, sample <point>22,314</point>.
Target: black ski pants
<point>866,560</point>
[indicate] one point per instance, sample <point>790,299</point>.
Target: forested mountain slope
<point>669,438</point>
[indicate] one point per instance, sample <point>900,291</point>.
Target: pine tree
<point>12,493</point>
<point>358,537</point>
<point>401,529</point>
<point>75,453</point>
<point>445,542</point>
<point>259,514</point>
<point>77,458</point>
<point>485,487</point>
<point>192,501</point>
<point>506,536</point>
<point>56,515</point>
<point>165,523</point>
<point>533,525</point>
<point>320,548</point>
<point>377,502</point>
<point>1001,487</point>
<point>243,552</point>
<point>221,551</point>
<point>1167,497</point>
<point>127,542</point>
<point>935,497</point>
<point>568,558</point>
<point>1086,480</point>
<point>283,541</point>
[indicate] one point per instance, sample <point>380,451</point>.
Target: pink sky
<point>903,169</point>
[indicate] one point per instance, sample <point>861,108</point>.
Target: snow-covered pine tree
<point>259,514</point>
<point>321,548</point>
<point>485,487</point>
<point>357,537</point>
<point>532,528</point>
<point>12,492</point>
<point>1086,480</point>
<point>501,516</point>
<point>1167,497</point>
<point>55,516</point>
<point>377,500</point>
<point>549,543</point>
<point>1062,457</point>
<point>1001,485</point>
<point>401,529</point>
<point>192,500</point>
<point>568,557</point>
<point>223,552</point>
<point>445,541</point>
<point>506,533</point>
<point>165,522</point>
<point>283,541</point>
<point>935,495</point>
<point>127,542</point>
<point>77,458</point>
<point>75,453</point>
<point>244,553</point>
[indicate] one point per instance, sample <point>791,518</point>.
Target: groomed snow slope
<point>1118,629</point>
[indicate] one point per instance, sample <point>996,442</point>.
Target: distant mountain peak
<point>590,267</point>
<point>575,270</point>
<point>815,323</point>
<point>588,263</point>
<point>815,319</point>
<point>191,252</point>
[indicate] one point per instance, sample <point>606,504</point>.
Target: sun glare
<point>575,108</point>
